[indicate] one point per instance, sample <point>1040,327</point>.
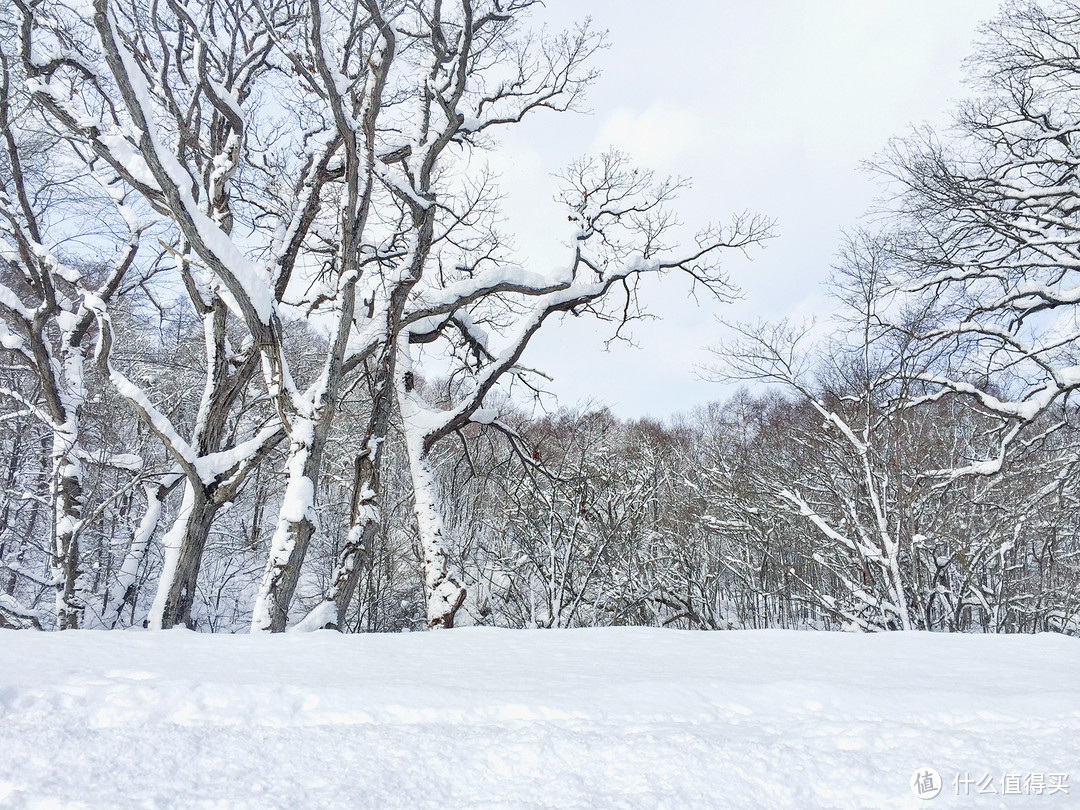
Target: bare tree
<point>48,302</point>
<point>985,224</point>
<point>361,212</point>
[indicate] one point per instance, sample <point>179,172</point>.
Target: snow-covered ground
<point>593,719</point>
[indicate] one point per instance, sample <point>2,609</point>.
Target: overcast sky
<point>769,106</point>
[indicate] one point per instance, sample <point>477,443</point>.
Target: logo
<point>926,783</point>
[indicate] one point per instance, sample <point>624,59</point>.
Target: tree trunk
<point>181,590</point>
<point>67,498</point>
<point>122,591</point>
<point>365,519</point>
<point>443,593</point>
<point>171,544</point>
<point>295,529</point>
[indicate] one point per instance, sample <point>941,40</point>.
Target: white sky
<point>768,106</point>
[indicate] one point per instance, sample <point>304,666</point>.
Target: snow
<point>127,156</point>
<point>616,717</point>
<point>212,465</point>
<point>402,186</point>
<point>299,495</point>
<point>9,340</point>
<point>485,416</point>
<point>510,278</point>
<point>324,613</point>
<point>1069,377</point>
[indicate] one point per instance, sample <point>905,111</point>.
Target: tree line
<point>262,338</point>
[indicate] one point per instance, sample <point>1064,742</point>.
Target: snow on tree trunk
<point>364,516</point>
<point>179,588</point>
<point>67,499</point>
<point>364,526</point>
<point>170,544</point>
<point>332,611</point>
<point>442,592</point>
<point>122,591</point>
<point>182,587</point>
<point>295,527</point>
<point>67,485</point>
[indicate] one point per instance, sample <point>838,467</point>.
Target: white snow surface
<point>598,718</point>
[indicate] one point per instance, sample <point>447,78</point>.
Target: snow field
<point>615,717</point>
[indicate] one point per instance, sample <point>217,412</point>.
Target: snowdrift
<point>617,717</point>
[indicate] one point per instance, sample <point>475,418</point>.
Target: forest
<point>263,344</point>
